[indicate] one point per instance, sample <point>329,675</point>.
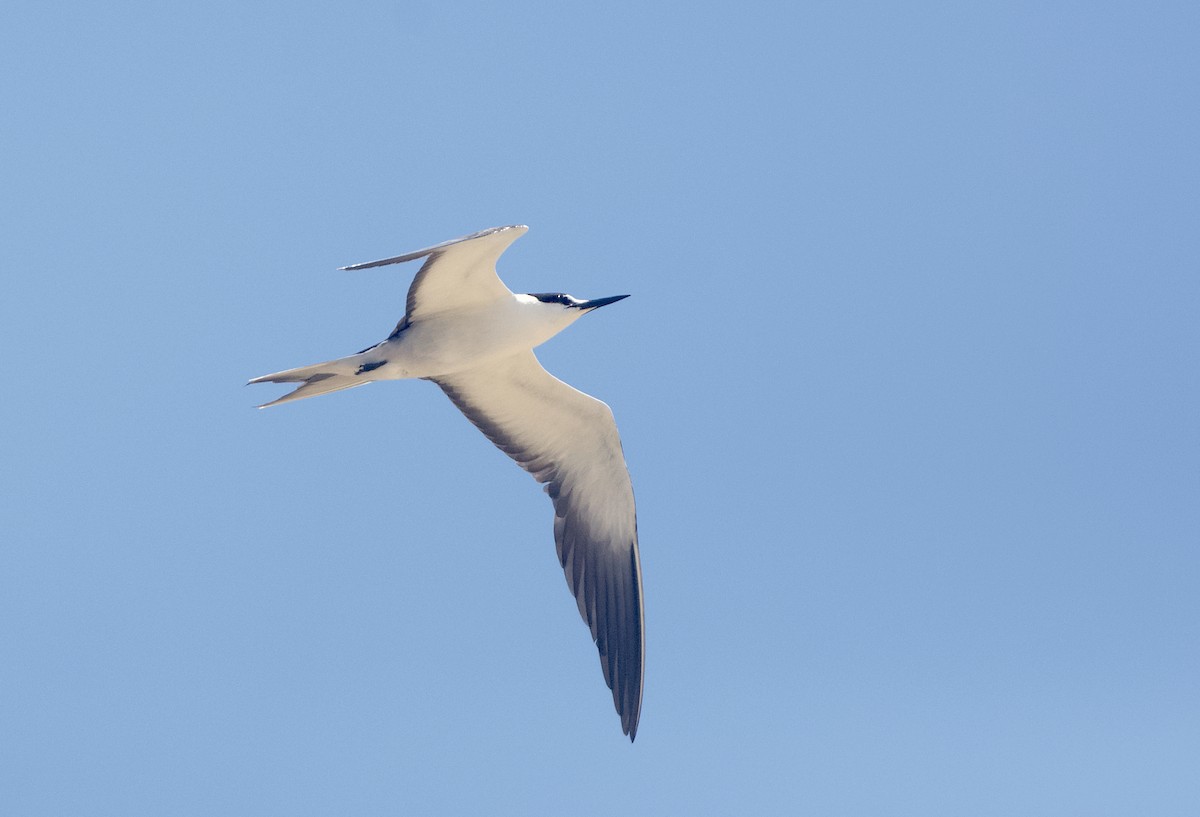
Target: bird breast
<point>454,341</point>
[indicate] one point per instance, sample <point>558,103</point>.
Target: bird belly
<point>433,346</point>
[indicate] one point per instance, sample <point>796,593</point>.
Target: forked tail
<point>320,378</point>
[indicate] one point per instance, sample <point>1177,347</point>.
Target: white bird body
<point>465,331</point>
<point>449,342</point>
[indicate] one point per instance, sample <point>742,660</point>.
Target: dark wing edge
<point>605,576</point>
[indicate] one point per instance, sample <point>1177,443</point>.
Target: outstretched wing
<point>568,440</point>
<point>459,273</point>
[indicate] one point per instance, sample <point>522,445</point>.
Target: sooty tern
<point>465,331</point>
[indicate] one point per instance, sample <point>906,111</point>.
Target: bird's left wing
<point>459,273</point>
<point>569,441</point>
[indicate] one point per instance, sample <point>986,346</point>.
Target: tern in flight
<point>465,331</point>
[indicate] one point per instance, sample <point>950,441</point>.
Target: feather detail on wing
<point>569,441</point>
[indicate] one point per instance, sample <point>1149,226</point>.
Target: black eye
<point>552,298</point>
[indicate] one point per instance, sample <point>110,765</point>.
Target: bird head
<point>572,303</point>
<point>553,312</point>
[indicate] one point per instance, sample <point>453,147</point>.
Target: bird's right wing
<point>459,273</point>
<point>569,441</point>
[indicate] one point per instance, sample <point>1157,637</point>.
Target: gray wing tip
<point>412,256</point>
<point>399,259</point>
<point>629,719</point>
<point>625,636</point>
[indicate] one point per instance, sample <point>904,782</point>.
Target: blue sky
<point>907,387</point>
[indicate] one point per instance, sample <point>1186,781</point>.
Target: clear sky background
<point>907,385</point>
